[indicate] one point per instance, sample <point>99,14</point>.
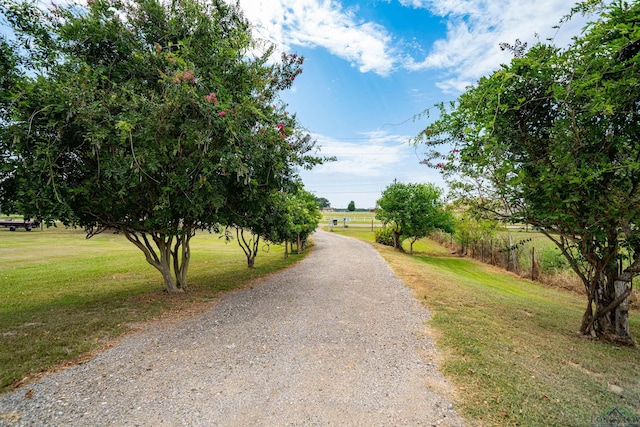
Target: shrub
<point>384,236</point>
<point>552,261</point>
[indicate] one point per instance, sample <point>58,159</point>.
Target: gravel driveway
<point>335,340</point>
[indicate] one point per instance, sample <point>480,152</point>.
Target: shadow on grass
<point>58,312</point>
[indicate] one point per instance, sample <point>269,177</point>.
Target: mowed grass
<point>510,346</point>
<point>350,219</point>
<point>63,296</point>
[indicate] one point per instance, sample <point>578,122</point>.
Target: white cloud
<point>475,29</point>
<point>372,156</point>
<point>470,49</point>
<point>453,85</point>
<point>325,24</point>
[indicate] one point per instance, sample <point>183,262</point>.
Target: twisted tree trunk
<point>171,262</point>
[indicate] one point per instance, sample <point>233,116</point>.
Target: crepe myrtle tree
<point>291,217</point>
<point>283,218</point>
<point>413,211</point>
<point>138,115</point>
<point>552,139</point>
<point>253,207</point>
<point>9,76</point>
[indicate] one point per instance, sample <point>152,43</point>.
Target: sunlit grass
<point>350,218</point>
<point>510,345</point>
<point>62,296</point>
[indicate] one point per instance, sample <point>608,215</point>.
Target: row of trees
<point>552,139</point>
<point>155,119</point>
<point>286,218</point>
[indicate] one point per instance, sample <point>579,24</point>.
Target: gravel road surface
<point>336,340</point>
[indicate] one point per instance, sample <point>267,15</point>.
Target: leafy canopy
<point>147,117</point>
<point>553,139</point>
<point>413,211</point>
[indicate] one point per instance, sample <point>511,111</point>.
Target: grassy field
<point>63,296</point>
<point>350,219</point>
<point>510,345</point>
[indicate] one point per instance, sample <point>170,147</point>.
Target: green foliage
<point>323,202</point>
<point>384,236</point>
<point>413,211</point>
<point>9,75</point>
<point>352,206</point>
<point>551,140</point>
<point>471,228</point>
<point>291,217</point>
<point>552,261</point>
<point>150,118</point>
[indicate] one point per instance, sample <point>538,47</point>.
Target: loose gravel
<point>335,340</point>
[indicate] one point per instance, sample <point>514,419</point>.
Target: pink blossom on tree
<point>211,98</point>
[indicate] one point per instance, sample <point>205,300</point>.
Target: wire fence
<point>528,254</point>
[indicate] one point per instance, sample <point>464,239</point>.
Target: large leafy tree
<point>553,139</point>
<point>146,117</point>
<point>9,75</point>
<point>250,210</point>
<point>323,202</point>
<point>413,211</point>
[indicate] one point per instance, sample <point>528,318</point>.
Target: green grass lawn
<point>350,219</point>
<point>63,296</point>
<point>510,345</point>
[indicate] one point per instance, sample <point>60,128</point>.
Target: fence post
<point>533,262</point>
<point>491,250</point>
<point>512,252</point>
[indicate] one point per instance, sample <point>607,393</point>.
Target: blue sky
<point>373,66</point>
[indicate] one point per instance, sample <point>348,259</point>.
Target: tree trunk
<point>587,320</point>
<point>167,276</point>
<point>182,257</point>
<point>159,255</point>
<point>621,313</point>
<point>611,318</point>
<point>250,247</point>
<point>605,295</point>
<point>396,241</point>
